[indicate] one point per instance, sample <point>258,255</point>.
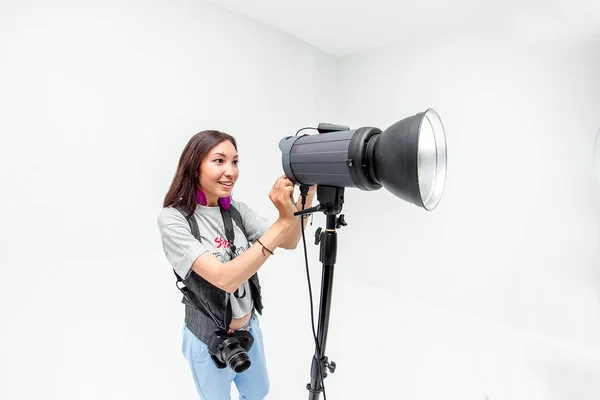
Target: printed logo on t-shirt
<point>221,242</point>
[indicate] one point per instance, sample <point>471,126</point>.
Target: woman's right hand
<point>282,196</point>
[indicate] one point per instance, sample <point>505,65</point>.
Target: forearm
<point>295,233</point>
<point>229,276</point>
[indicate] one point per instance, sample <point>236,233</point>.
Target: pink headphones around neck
<point>225,201</point>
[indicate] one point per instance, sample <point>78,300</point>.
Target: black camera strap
<point>227,216</point>
<point>228,229</point>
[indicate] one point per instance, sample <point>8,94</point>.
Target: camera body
<point>231,349</point>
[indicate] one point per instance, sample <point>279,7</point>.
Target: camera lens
<point>239,362</point>
<point>236,357</point>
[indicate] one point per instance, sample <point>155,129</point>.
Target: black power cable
<point>305,128</point>
<point>304,194</point>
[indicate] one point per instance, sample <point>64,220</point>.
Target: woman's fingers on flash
<point>284,191</point>
<point>280,181</point>
<point>283,181</point>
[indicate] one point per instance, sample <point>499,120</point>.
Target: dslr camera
<point>230,348</point>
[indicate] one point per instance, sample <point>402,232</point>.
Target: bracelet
<point>264,248</point>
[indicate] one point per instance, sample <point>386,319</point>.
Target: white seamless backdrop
<point>494,295</point>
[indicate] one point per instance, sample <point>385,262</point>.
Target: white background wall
<point>497,291</point>
<point>494,294</point>
<point>97,101</point>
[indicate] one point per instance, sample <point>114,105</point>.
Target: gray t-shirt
<point>182,248</point>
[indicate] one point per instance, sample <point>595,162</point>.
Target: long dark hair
<point>182,192</point>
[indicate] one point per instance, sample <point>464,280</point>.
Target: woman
<point>226,282</point>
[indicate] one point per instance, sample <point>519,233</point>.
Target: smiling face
<point>219,172</point>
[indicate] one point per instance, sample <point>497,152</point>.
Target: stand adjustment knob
<point>318,235</point>
<point>331,366</point>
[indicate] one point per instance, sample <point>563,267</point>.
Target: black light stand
<point>330,200</point>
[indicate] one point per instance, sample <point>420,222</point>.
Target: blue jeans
<point>215,384</point>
